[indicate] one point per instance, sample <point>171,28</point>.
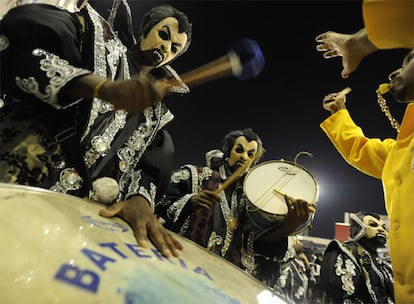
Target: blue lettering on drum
<point>97,258</point>
<point>88,279</point>
<point>85,279</point>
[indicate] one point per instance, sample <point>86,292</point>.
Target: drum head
<point>266,182</point>
<point>57,249</point>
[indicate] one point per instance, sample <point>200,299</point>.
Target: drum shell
<point>262,219</point>
<point>57,249</point>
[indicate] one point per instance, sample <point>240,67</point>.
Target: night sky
<point>284,103</point>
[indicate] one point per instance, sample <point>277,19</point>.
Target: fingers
<point>112,210</point>
<point>141,236</point>
<point>167,244</point>
<point>331,54</point>
<point>321,37</point>
<point>145,225</point>
<point>330,98</point>
<point>206,198</point>
<point>148,228</point>
<point>325,45</point>
<point>299,207</point>
<point>345,74</point>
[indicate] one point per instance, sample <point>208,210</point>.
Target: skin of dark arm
<point>133,94</point>
<point>298,213</point>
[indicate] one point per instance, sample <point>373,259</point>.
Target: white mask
<point>164,42</point>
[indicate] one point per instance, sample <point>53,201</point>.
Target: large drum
<point>265,186</point>
<point>55,248</point>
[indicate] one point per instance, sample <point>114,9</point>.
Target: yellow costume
<point>389,23</point>
<point>392,161</point>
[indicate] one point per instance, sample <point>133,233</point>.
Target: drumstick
<point>216,69</point>
<point>239,171</point>
<point>310,206</point>
<point>232,178</point>
<point>244,60</point>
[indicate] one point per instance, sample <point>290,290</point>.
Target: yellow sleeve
<point>389,23</point>
<point>368,155</point>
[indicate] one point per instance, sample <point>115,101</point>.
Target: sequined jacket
<point>352,274</point>
<point>40,54</point>
<point>224,229</point>
<point>63,144</point>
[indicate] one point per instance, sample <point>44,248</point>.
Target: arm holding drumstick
<point>207,198</point>
<point>298,213</point>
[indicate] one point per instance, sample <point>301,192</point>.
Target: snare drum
<point>55,248</point>
<point>264,186</point>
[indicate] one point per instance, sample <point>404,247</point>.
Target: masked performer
<point>219,221</point>
<point>134,152</point>
<point>354,271</point>
<point>70,101</point>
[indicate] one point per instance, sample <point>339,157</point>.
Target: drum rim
<point>316,196</point>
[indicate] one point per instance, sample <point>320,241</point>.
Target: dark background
<point>284,103</point>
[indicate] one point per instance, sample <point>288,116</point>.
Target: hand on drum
<point>136,211</point>
<point>206,199</point>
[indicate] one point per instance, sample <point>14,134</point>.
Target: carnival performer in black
<point>357,271</point>
<point>75,111</point>
<point>218,220</point>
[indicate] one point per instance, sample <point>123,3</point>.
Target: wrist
<point>98,87</point>
<point>360,41</point>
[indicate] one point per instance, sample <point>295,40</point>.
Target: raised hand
<point>351,47</point>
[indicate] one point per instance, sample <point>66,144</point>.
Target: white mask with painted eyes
<point>163,42</point>
<point>243,151</point>
<point>375,228</point>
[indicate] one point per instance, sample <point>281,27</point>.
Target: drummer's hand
<point>134,94</point>
<point>137,212</point>
<point>298,214</point>
<point>206,199</point>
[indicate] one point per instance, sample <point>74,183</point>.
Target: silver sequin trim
<point>346,270</point>
<point>58,71</point>
<point>101,144</point>
<point>180,175</point>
